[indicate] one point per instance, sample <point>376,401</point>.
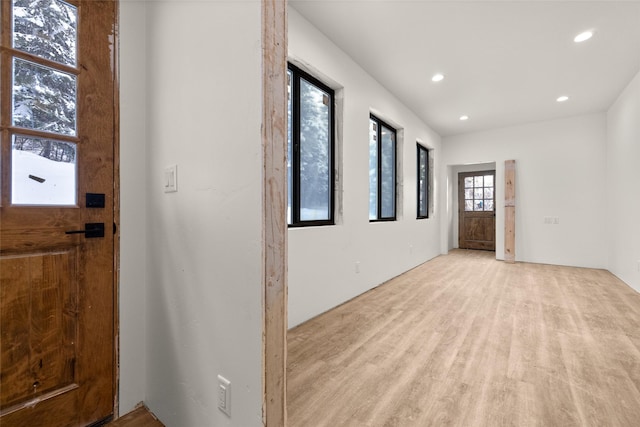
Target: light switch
<point>171,179</point>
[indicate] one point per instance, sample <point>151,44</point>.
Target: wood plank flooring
<point>464,340</point>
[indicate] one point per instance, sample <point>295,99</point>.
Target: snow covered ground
<point>57,188</point>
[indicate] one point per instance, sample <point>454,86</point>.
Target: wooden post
<point>510,211</point>
<point>274,205</point>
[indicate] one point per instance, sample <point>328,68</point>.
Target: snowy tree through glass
<point>382,171</point>
<point>310,150</point>
<point>46,28</point>
<point>388,173</point>
<point>314,153</point>
<point>373,169</point>
<point>423,182</point>
<point>43,98</point>
<point>479,193</point>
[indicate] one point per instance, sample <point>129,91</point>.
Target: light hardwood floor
<point>464,340</point>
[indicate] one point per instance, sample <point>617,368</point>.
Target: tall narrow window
<point>310,160</point>
<point>382,171</point>
<point>423,182</point>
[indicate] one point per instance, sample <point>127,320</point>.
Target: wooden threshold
<point>139,417</point>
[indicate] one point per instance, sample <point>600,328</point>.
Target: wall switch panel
<point>224,395</point>
<point>171,179</point>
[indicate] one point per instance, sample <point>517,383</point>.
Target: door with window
<point>477,210</point>
<point>57,229</point>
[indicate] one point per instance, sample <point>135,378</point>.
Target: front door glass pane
<point>46,28</point>
<point>43,98</point>
<point>44,172</point>
<point>479,193</point>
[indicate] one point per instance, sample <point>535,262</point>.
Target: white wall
<point>133,197</point>
<point>322,260</point>
<point>204,314</point>
<point>560,170</point>
<point>623,185</point>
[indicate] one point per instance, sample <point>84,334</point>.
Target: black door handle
<point>91,230</point>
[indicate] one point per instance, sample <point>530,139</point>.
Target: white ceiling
<point>505,62</point>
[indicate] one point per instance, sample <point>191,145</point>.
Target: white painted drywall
<point>322,260</point>
<point>623,185</point>
<point>204,315</point>
<point>560,172</point>
<point>133,211</point>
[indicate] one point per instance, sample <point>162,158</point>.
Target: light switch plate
<point>224,395</point>
<point>171,179</point>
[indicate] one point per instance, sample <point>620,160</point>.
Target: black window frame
<point>296,75</point>
<point>380,123</point>
<point>422,191</point>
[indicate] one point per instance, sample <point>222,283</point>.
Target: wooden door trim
<point>274,205</point>
<point>116,214</point>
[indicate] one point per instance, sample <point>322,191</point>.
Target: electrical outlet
<point>639,266</point>
<point>357,266</point>
<point>224,395</point>
<point>556,220</point>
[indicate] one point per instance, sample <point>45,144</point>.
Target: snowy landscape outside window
<point>310,154</point>
<point>423,182</point>
<point>382,171</point>
<point>44,101</point>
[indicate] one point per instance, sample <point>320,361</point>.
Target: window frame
<point>381,123</point>
<point>424,192</point>
<point>296,75</point>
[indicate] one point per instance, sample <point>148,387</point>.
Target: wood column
<point>510,211</point>
<point>274,205</point>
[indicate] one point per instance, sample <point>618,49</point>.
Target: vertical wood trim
<point>274,205</point>
<point>5,101</point>
<point>116,212</point>
<point>510,211</point>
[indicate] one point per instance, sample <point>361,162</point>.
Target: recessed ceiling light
<point>562,98</point>
<point>463,118</point>
<point>437,77</point>
<point>583,36</point>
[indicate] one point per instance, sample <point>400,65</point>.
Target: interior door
<point>57,228</point>
<point>477,210</point>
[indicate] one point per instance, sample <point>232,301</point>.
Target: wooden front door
<point>57,249</point>
<point>477,210</point>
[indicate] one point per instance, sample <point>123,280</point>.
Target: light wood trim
<point>116,213</point>
<point>510,211</point>
<point>274,142</point>
<point>5,101</point>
